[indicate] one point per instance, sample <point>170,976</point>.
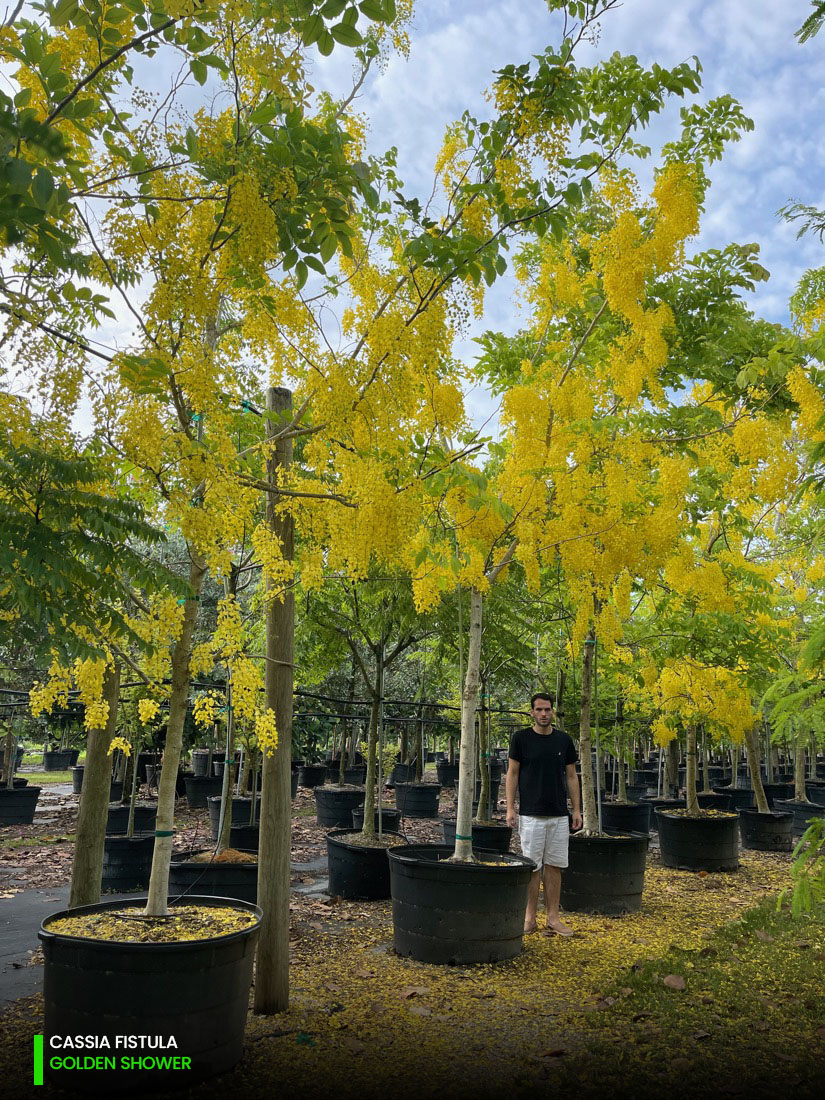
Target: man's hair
<point>551,699</point>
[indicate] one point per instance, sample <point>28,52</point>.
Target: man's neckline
<point>553,729</point>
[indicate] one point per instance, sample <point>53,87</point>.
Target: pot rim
<point>204,901</point>
<point>717,814</point>
<point>335,836</point>
<point>751,811</point>
<point>409,855</point>
<point>185,859</point>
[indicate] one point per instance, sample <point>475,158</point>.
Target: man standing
<point>542,769</point>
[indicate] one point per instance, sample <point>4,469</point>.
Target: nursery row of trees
<point>284,433</point>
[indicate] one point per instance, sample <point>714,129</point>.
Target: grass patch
<point>44,779</point>
<point>11,844</point>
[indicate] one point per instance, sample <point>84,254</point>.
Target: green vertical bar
<point>38,1059</point>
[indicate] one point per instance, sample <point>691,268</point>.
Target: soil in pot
<point>227,875</point>
<point>417,799</point>
<point>17,805</point>
<point>488,835</point>
<point>110,971</point>
<point>462,913</point>
<point>709,842</point>
<point>334,805</point>
<point>390,819</point>
<point>605,873</point>
<point>772,832</point>
<point>358,865</point>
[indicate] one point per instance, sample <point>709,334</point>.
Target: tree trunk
<point>799,792</point>
<point>272,971</point>
<point>734,763</point>
<point>752,742</point>
<point>483,813</point>
<point>368,828</point>
<point>225,820</point>
<point>690,773</point>
<point>590,813</point>
<point>560,681</point>
<point>178,702</point>
<point>9,756</point>
<point>622,792</point>
<point>672,769</point>
<point>469,702</point>
<point>705,763</point>
<point>87,865</point>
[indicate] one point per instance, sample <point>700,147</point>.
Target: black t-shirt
<point>542,758</point>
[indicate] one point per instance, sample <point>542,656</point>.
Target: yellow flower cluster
<point>206,708</point>
<point>266,731</point>
<point>122,744</point>
<point>88,676</point>
<point>147,710</point>
<point>686,693</point>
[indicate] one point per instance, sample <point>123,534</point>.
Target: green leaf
<point>301,274</point>
<point>326,43</point>
<point>329,246</point>
<point>43,187</point>
<point>313,29</point>
<point>346,35</point>
<point>199,70</point>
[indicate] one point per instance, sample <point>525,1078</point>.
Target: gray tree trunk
<point>469,702</point>
<point>87,864</point>
<point>752,742</point>
<point>590,813</point>
<point>272,973</point>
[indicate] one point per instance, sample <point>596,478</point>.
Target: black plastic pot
<point>293,783</point>
<point>18,759</point>
<point>605,874</point>
<point>240,812</point>
<point>17,805</point>
<point>740,798</point>
<point>627,817</point>
<point>637,791</point>
<point>699,843</point>
<point>78,771</point>
<point>58,761</point>
<point>74,756</point>
<point>356,775</point>
<point>356,871</point>
<point>494,789</point>
<point>196,991</point>
<point>127,862</point>
<point>816,794</point>
<point>492,837</point>
<point>401,773</point>
<point>802,813</point>
<point>417,799</point>
<point>461,913</point>
<point>447,773</point>
<point>201,787</point>
<point>200,762</point>
<point>714,800</point>
<point>312,775</point>
<point>246,838</point>
<point>777,790</point>
<point>334,805</point>
<point>219,765</point>
<point>390,819</point>
<point>221,880</point>
<point>118,820</point>
<point>144,761</point>
<point>646,777</point>
<point>771,832</point>
<point>666,803</point>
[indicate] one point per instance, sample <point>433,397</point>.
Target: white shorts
<point>544,839</point>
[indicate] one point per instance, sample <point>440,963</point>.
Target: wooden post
<point>272,973</point>
<point>87,865</point>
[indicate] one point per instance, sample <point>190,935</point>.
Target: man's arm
<point>510,788</point>
<point>575,794</point>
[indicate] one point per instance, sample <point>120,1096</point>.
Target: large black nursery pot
<point>201,787</point>
<point>334,805</point>
<point>196,991</point>
<point>777,790</point>
<point>200,762</point>
<point>115,789</point>
<point>445,912</point>
<point>816,793</point>
<point>401,773</point>
<point>740,798</point>
<point>17,805</point>
<point>447,773</point>
<point>245,838</point>
<point>662,803</point>
<point>637,791</point>
<point>127,862</point>
<point>417,799</point>
<point>118,820</point>
<point>221,880</point>
<point>312,775</point>
<point>240,812</point>
<point>802,813</point>
<point>494,789</point>
<point>715,800</point>
<point>491,837</point>
<point>627,817</point>
<point>605,874</point>
<point>390,819</point>
<point>771,832</point>
<point>705,843</point>
<point>18,759</point>
<point>356,870</point>
<point>58,761</point>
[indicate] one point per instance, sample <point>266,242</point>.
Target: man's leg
<point>530,924</point>
<point>555,859</point>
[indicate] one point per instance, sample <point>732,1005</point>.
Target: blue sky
<point>746,48</point>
